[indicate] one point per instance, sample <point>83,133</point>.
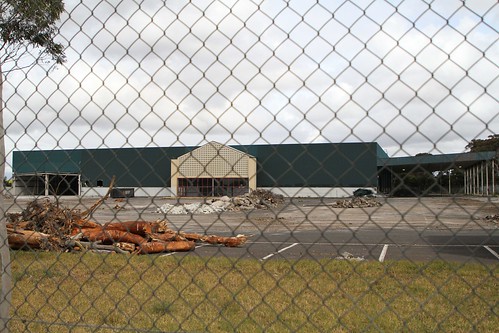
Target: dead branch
<point>89,211</point>
<point>89,246</point>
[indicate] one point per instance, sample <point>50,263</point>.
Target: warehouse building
<point>214,169</point>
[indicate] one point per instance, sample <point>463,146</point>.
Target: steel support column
<point>482,184</point>
<point>46,179</point>
<point>493,176</point>
<point>487,189</point>
<point>465,178</point>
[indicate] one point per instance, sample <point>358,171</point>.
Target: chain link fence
<point>312,166</point>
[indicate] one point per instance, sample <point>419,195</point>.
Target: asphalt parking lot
<point>416,229</point>
<point>368,245</point>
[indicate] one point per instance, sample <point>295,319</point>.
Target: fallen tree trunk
<point>168,236</point>
<point>158,247</point>
<point>192,236</point>
<point>111,236</point>
<point>82,224</point>
<point>26,239</point>
<point>234,241</point>
<point>142,228</point>
<point>213,239</point>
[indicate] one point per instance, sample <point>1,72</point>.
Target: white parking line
<point>383,253</point>
<point>281,250</point>
<point>494,253</point>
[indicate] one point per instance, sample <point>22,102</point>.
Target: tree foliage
<point>28,25</point>
<point>489,144</point>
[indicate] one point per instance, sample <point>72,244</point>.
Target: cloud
<point>414,77</point>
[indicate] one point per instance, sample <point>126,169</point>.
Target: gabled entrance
<point>213,170</point>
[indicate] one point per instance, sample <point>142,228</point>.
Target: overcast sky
<point>414,76</point>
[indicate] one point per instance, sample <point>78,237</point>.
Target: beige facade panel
<point>252,172</point>
<point>214,160</point>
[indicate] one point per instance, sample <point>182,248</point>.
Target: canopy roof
<point>435,162</point>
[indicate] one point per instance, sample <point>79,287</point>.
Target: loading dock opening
<point>122,192</point>
<point>59,184</point>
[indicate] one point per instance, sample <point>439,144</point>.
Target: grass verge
<point>56,292</point>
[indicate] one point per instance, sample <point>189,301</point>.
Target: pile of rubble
<point>45,225</point>
<point>265,198</point>
<point>357,202</point>
<point>492,218</point>
<point>192,208</point>
<point>257,199</point>
<point>350,257</point>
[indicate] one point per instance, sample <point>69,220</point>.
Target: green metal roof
<point>435,162</point>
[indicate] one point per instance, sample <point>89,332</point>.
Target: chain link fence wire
<point>354,126</point>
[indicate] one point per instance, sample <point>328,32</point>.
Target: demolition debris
<point>350,257</point>
<point>356,202</point>
<point>493,219</point>
<point>257,199</point>
<point>45,225</point>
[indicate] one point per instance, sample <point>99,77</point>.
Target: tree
<point>27,31</point>
<point>489,144</point>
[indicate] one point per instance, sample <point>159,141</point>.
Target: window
<point>212,187</point>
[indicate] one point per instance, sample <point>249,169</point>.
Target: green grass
<point>114,293</point>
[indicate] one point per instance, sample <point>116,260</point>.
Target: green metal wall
<point>287,165</point>
<point>315,165</point>
<point>132,167</point>
<point>50,161</point>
